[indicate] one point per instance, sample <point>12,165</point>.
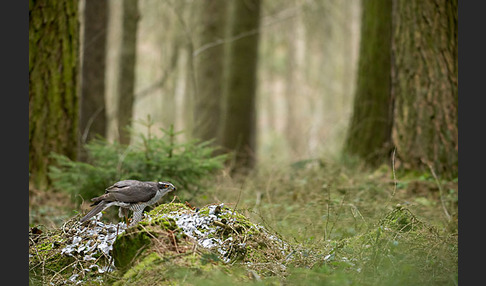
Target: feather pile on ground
<point>218,228</point>
<point>82,250</point>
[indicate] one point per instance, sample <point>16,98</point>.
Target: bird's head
<point>166,187</point>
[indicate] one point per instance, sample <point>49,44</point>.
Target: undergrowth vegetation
<point>150,158</point>
<point>353,226</point>
<point>347,225</point>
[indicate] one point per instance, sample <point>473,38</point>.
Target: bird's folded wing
<point>124,184</point>
<point>133,194</point>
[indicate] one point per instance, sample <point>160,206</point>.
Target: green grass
<point>345,212</point>
<point>348,226</point>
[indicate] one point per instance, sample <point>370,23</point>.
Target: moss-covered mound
<point>177,240</point>
<point>173,241</point>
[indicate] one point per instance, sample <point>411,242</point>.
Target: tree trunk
<point>369,132</point>
<point>209,50</point>
<point>238,130</point>
<point>125,80</point>
<point>425,129</point>
<point>92,117</point>
<point>294,130</point>
<point>53,102</point>
<point>171,53</point>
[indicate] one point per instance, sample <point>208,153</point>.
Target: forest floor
<point>352,226</point>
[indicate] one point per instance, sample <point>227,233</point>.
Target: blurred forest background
<point>277,87</point>
<point>181,63</point>
<point>273,84</point>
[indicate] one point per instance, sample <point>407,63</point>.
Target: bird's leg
<point>137,216</point>
<point>123,213</point>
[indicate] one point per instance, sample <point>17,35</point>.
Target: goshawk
<point>130,195</point>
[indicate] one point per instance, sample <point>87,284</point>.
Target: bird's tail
<point>98,208</point>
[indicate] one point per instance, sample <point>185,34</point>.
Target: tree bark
<point>126,69</point>
<point>369,132</point>
<point>209,51</point>
<point>53,102</point>
<point>425,86</point>
<point>239,91</point>
<point>92,114</point>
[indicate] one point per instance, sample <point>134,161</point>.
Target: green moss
<point>47,246</point>
<point>168,208</point>
<point>182,269</point>
<point>146,263</point>
<point>45,256</point>
<point>165,223</point>
<point>129,245</point>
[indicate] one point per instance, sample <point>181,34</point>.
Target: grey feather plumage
<point>130,195</point>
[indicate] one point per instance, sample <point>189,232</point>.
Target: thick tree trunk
<point>53,102</point>
<point>425,129</point>
<point>209,57</point>
<point>238,130</point>
<point>92,113</point>
<point>369,132</point>
<point>126,69</point>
